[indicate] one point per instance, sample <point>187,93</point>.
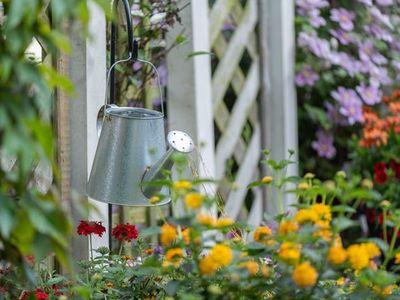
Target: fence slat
<point>217,17</point>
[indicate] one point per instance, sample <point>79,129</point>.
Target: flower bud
<point>303,186</point>
<point>266,179</point>
<point>385,204</point>
<point>367,183</point>
<point>341,174</point>
<point>309,175</point>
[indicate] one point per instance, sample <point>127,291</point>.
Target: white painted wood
<point>238,118</point>
<point>88,73</point>
<point>277,40</point>
<point>218,15</point>
<point>244,175</point>
<point>229,62</point>
<point>189,85</point>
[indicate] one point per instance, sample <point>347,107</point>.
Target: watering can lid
<point>134,113</point>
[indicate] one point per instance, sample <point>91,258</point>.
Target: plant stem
<point>389,253</point>
<point>90,247</point>
<point>121,246</point>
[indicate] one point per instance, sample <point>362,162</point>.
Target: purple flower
<point>343,17</point>
<point>158,250</point>
<point>369,94</point>
<point>315,19</point>
<point>380,17</point>
<point>228,25</point>
<point>307,5</point>
<point>367,52</point>
<point>334,116</point>
<point>306,77</point>
<point>366,2</point>
<point>317,46</point>
<point>344,37</point>
<point>350,104</point>
<point>379,76</point>
<point>137,14</point>
<point>136,66</point>
<point>324,145</point>
<point>384,2</point>
<point>378,32</point>
<point>347,62</point>
<point>163,73</point>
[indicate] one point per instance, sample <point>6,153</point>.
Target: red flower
<point>380,167</point>
<point>395,166</point>
<point>88,227</point>
<point>125,232</point>
<point>41,295</point>
<point>380,177</point>
<point>55,290</point>
<point>371,214</point>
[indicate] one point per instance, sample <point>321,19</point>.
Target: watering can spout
<point>179,142</point>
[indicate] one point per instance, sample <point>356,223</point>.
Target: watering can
<point>132,152</point>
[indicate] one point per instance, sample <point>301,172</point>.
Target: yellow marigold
<point>186,235</point>
<point>306,215</point>
<point>337,255</point>
<point>289,252</point>
<point>109,285</point>
<point>207,266</point>
<point>205,219</point>
<point>182,185</point>
<point>223,222</point>
<point>397,258</point>
<point>325,234</point>
<point>174,257</point>
<point>266,179</point>
<point>286,227</point>
<point>194,200</point>
<point>304,275</point>
<point>262,235</point>
<point>154,200</point>
<point>358,257</point>
<point>372,249</point>
<point>303,186</point>
<point>221,254</point>
<point>251,266</point>
<point>323,211</point>
<point>386,291</point>
<point>168,234</point>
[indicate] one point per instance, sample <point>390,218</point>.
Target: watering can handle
<point>143,61</point>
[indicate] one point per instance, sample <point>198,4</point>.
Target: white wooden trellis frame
<point>190,86</point>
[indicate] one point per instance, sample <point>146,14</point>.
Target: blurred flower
<point>90,227</point>
<point>337,255</point>
<point>221,255</point>
<point>351,105</point>
<point>380,175</point>
<point>125,232</point>
<point>366,2</point>
<point>289,252</point>
<point>358,256</point>
<point>380,17</point>
<point>306,216</point>
<point>251,266</point>
<point>334,115</point>
<point>378,32</point>
<point>262,235</point>
<point>303,186</point>
<point>306,77</point>
<point>304,275</point>
<point>194,200</point>
<point>168,234</point>
<point>182,185</point>
<point>323,211</point>
<point>369,94</point>
<point>173,257</point>
<point>266,179</point>
<point>397,258</point>
<point>207,266</point>
<point>317,46</point>
<point>223,222</point>
<point>344,37</point>
<point>315,19</point>
<point>343,17</point>
<point>379,76</point>
<point>367,52</point>
<point>286,227</point>
<point>205,219</point>
<point>324,145</point>
<point>384,2</point>
<point>41,295</point>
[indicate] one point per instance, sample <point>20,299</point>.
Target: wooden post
<point>279,111</point>
<point>88,74</point>
<point>189,85</point>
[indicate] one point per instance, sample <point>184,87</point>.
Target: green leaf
<point>180,39</point>
<point>7,219</point>
<point>197,53</point>
<point>342,223</point>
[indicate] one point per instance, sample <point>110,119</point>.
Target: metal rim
<point>153,114</point>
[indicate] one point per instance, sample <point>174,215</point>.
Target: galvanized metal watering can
<point>132,152</point>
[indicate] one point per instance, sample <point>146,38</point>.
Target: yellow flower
<point>205,219</point>
<point>367,183</point>
<point>323,211</point>
<point>304,275</point>
<point>223,222</point>
<point>266,179</point>
<point>262,235</point>
<point>289,252</point>
<point>186,235</point>
<point>154,200</point>
<point>385,204</point>
<point>341,281</point>
<point>251,266</point>
<point>194,200</point>
<point>358,257</point>
<point>182,185</point>
<point>109,285</point>
<point>337,255</point>
<point>302,186</point>
<point>221,255</point>
<point>265,271</point>
<point>324,233</point>
<point>168,234</point>
<point>306,215</point>
<point>372,249</point>
<point>286,227</point>
<point>174,257</point>
<point>386,291</point>
<point>397,258</point>
<point>207,266</point>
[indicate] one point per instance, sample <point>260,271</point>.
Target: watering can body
<point>131,141</point>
